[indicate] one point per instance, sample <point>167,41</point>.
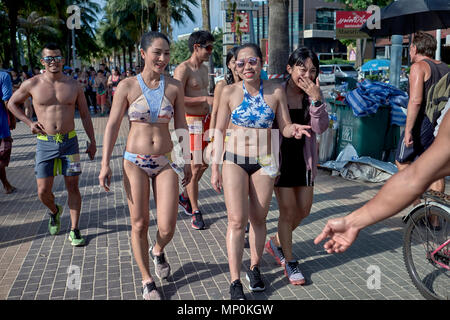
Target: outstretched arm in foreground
<point>398,192</point>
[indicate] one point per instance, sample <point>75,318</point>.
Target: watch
<point>315,103</point>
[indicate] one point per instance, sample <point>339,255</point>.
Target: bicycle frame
<point>436,251</point>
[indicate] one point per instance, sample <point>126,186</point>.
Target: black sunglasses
<point>208,47</point>
<point>50,59</point>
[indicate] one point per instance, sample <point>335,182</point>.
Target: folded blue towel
<point>369,96</point>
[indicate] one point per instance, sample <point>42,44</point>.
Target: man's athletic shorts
<point>198,125</point>
<point>421,142</point>
<point>57,154</point>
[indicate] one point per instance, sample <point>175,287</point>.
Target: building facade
<point>311,24</point>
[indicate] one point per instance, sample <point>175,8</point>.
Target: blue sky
<point>216,18</point>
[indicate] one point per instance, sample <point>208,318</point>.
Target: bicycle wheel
<point>427,231</point>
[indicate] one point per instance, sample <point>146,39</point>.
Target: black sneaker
<point>236,291</point>
<point>185,204</point>
<point>197,220</point>
<point>162,267</point>
<point>256,282</point>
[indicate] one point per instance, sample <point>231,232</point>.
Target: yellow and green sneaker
<point>54,223</point>
<point>76,238</point>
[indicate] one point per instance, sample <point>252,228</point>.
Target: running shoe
<point>150,292</point>
<point>162,267</point>
<point>275,252</point>
<point>76,239</point>
<point>54,224</point>
<point>237,291</point>
<point>256,282</point>
<point>197,220</point>
<point>185,204</point>
<point>293,273</point>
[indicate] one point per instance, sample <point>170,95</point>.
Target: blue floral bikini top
<point>152,105</point>
<point>253,112</point>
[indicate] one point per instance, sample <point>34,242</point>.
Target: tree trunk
<point>278,36</point>
<point>206,24</point>
<point>30,54</point>
<point>130,57</point>
<point>359,54</point>
<point>124,60</point>
<point>164,17</point>
<point>12,17</point>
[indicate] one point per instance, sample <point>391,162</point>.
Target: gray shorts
<point>57,154</point>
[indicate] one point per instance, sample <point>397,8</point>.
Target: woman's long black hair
<point>229,78</point>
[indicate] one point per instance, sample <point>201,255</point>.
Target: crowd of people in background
<point>99,85</point>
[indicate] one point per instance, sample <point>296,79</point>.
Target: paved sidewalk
<point>35,265</point>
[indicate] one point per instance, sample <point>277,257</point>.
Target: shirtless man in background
<point>55,97</point>
<point>193,75</point>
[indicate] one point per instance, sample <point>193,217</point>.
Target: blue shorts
<point>421,143</point>
<point>57,154</point>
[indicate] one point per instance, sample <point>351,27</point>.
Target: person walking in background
<point>294,187</point>
<point>113,81</point>
<point>55,98</point>
<point>101,88</point>
<point>7,123</point>
<point>418,133</point>
<point>193,75</point>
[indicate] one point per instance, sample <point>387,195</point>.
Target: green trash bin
<point>366,134</point>
<point>352,82</point>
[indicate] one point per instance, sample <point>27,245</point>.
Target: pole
<point>438,48</point>
<point>396,60</point>
<point>73,49</point>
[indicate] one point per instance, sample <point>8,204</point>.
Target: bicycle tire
<point>417,222</point>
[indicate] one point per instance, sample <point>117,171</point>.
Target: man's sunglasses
<point>241,63</point>
<point>208,47</point>
<point>50,59</point>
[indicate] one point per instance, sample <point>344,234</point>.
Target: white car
<point>345,71</point>
<point>326,74</point>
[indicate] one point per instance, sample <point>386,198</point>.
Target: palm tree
<point>206,21</point>
<point>278,36</point>
<point>35,24</point>
<point>12,7</point>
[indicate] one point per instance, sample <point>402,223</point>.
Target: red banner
<point>244,25</point>
<point>351,19</point>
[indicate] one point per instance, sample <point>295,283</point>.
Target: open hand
<point>299,130</point>
<point>341,235</point>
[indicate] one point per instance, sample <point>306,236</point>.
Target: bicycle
<point>426,245</point>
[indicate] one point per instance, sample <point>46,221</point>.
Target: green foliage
<point>179,52</point>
